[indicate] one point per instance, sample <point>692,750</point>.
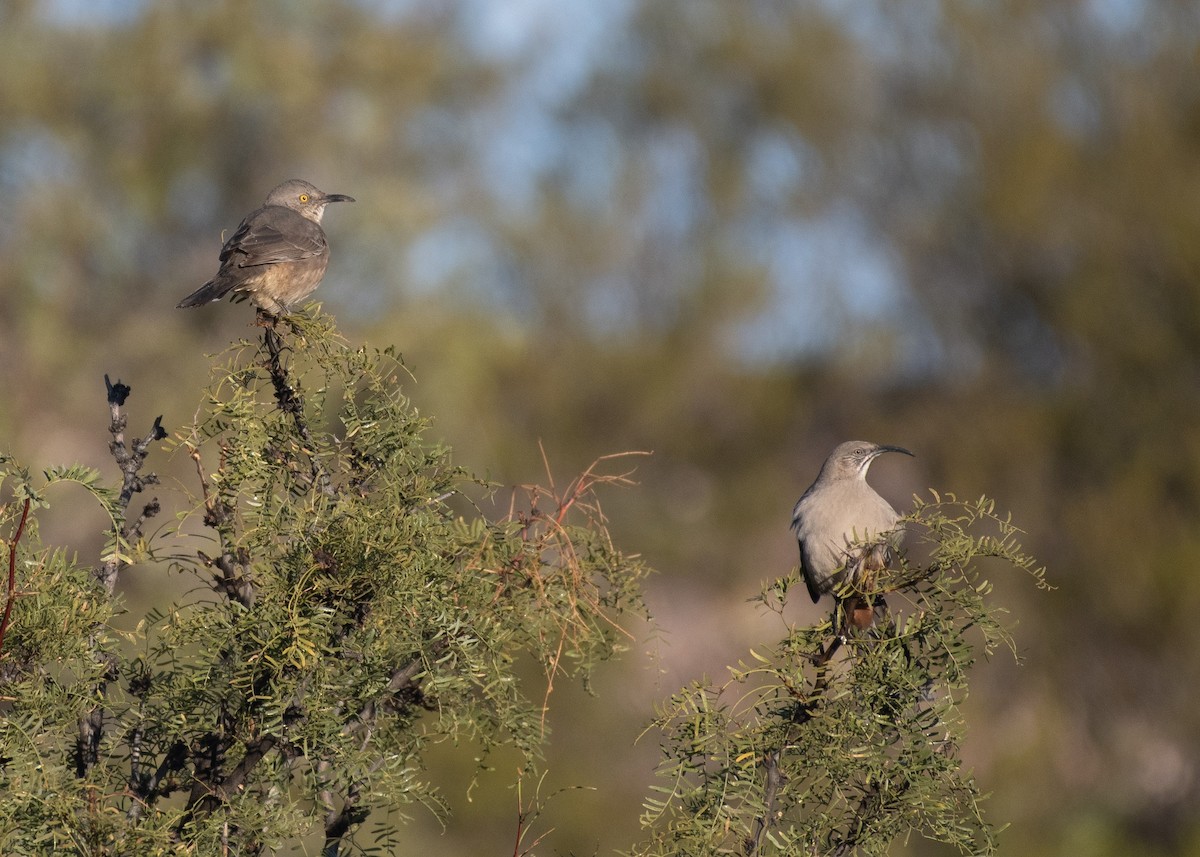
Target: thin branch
<point>256,751</point>
<point>130,461</point>
<point>584,483</point>
<point>774,779</point>
<point>91,722</point>
<point>402,690</point>
<point>210,789</point>
<point>291,403</point>
<point>285,396</point>
<point>148,789</point>
<point>339,823</point>
<point>233,580</point>
<point>869,807</point>
<point>12,572</point>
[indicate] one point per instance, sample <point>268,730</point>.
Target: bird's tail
<point>213,290</point>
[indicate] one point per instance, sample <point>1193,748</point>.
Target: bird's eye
<point>304,197</point>
<point>860,451</point>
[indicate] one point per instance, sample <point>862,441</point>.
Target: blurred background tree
<point>734,232</point>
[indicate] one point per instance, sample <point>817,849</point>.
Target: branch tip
<point>118,392</point>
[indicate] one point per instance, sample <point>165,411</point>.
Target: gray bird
<point>838,511</point>
<point>278,254</point>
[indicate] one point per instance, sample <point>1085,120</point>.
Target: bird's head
<point>852,458</point>
<point>302,197</point>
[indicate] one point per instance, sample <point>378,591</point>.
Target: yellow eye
<point>304,197</point>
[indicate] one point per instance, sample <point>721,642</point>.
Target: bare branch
<point>130,462</point>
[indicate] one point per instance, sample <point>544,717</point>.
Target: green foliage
<point>800,754</point>
<point>358,607</point>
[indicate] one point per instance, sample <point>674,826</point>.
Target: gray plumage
<point>838,511</point>
<point>277,255</point>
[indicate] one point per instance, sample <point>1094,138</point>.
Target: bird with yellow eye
<point>278,254</point>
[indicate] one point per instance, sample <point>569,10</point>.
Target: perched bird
<point>278,254</point>
<point>837,513</point>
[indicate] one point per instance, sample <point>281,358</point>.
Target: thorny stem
<point>290,403</point>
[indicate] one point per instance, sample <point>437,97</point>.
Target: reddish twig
<point>12,572</point>
<point>527,813</point>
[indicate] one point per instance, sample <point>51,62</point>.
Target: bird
<point>836,515</point>
<point>277,255</point>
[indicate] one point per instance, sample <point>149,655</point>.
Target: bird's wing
<point>809,582</point>
<point>272,235</point>
<point>805,552</point>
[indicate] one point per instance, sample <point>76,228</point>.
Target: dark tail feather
<point>213,290</point>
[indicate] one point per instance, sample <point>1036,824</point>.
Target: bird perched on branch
<point>278,254</point>
<point>836,515</point>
